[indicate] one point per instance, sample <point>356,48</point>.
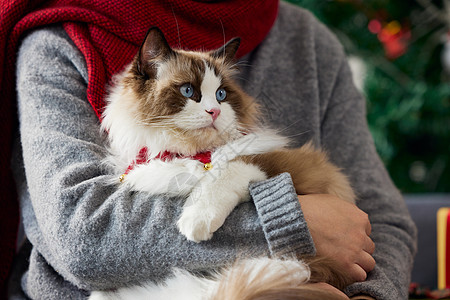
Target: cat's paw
<point>198,224</point>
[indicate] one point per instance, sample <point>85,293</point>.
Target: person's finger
<point>368,228</point>
<point>325,286</point>
<point>366,262</point>
<point>357,273</point>
<point>369,246</point>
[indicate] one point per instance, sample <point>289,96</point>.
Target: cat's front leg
<point>210,203</point>
<point>173,178</point>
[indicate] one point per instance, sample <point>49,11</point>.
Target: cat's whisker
<point>298,134</point>
<point>155,121</point>
<point>238,64</point>
<point>159,118</point>
<point>150,123</point>
<point>242,79</point>
<point>288,127</point>
<point>243,63</point>
<point>178,28</point>
<point>223,34</point>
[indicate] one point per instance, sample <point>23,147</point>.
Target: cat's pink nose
<point>214,112</point>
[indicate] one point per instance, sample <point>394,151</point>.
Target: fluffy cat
<point>178,124</point>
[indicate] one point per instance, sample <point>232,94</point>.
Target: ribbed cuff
<point>281,217</point>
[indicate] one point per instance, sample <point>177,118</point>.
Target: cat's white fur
<point>183,285</point>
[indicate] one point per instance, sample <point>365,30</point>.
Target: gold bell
<point>207,166</point>
<point>122,177</point>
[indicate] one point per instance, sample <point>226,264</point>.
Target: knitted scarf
<point>108,34</point>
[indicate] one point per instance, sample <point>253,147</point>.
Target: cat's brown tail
<point>273,279</point>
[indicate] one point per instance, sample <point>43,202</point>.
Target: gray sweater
<point>87,235</point>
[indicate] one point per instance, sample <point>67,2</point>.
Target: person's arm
<point>345,135</point>
<point>301,76</point>
<point>102,236</point>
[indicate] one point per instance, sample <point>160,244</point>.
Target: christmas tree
<point>404,49</point>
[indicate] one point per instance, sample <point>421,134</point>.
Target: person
<point>83,234</point>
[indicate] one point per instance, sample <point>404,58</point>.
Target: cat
<point>178,124</point>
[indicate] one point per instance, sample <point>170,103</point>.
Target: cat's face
<point>190,94</point>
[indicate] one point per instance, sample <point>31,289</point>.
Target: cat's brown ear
<point>228,51</point>
<point>154,48</point>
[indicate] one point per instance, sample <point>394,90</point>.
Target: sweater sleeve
<point>345,135</point>
<point>102,236</point>
<point>283,222</point>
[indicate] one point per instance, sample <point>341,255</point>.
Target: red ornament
<point>395,45</point>
<point>392,35</point>
<point>375,26</point>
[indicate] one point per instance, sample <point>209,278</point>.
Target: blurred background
<point>400,54</point>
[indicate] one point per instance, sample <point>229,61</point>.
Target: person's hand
<point>340,231</point>
<point>336,294</point>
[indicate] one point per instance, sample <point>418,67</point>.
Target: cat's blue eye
<point>221,94</point>
<point>187,90</point>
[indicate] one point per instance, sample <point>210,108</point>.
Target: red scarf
<point>108,33</point>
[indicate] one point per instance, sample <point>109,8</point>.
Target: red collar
<point>142,157</point>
